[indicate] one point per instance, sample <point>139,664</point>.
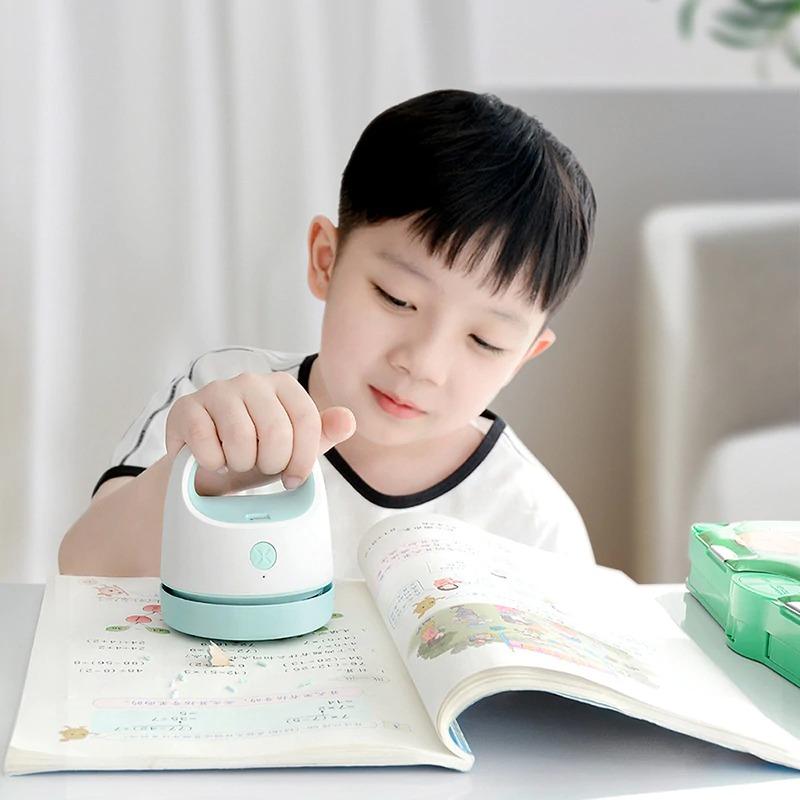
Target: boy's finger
<point>235,430</point>
<point>338,424</point>
<point>273,429</point>
<point>306,427</point>
<point>196,428</point>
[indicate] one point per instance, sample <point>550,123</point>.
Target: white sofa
<point>752,475</point>
<point>718,395</point>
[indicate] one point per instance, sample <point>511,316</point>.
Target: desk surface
<point>526,744</point>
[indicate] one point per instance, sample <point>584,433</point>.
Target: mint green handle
<point>257,509</point>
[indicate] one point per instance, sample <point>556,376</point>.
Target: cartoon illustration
<point>466,615</point>
<point>433,636</point>
<point>69,734</point>
<point>424,605</point>
<point>511,615</point>
<point>452,630</point>
<point>430,633</point>
<point>104,590</point>
<point>446,584</point>
<point>141,619</point>
<point>480,639</point>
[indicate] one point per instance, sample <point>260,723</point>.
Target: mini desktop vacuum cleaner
<point>245,567</point>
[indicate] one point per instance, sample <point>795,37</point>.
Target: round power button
<point>263,555</point>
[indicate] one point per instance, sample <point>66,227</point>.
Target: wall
<point>625,43</point>
<point>574,405</point>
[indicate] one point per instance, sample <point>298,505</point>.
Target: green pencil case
<point>747,576</point>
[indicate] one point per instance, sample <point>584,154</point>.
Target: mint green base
<point>247,620</point>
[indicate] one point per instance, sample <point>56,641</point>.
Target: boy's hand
<point>259,426</point>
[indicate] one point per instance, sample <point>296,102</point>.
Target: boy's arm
<point>120,533</point>
<point>109,486</point>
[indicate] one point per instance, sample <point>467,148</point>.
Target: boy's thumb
<point>338,424</point>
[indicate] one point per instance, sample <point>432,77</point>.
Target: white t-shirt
<point>501,487</point>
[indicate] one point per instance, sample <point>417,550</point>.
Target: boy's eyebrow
<point>396,261</point>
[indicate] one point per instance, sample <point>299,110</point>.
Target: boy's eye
<point>486,346</point>
<point>393,300</point>
<point>402,304</point>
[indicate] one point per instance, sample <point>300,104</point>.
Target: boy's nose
<point>425,359</point>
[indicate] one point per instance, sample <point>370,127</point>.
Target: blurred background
<point>160,162</point>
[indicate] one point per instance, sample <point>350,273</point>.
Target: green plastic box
<point>747,576</point>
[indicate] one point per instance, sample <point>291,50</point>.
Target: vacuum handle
<point>186,465</point>
<point>283,505</point>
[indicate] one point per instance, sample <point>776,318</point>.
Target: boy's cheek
<point>357,327</point>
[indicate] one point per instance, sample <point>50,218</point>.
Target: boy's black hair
<point>468,168</point>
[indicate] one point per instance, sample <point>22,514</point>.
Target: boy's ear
<point>322,241</point>
<point>544,340</point>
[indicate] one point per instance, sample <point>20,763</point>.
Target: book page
<point>111,686</point>
<point>464,605</point>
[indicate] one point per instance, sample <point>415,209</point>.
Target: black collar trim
<point>416,498</point>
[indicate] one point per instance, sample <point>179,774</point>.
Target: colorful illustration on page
<point>73,734</point>
<point>454,629</point>
<point>152,614</point>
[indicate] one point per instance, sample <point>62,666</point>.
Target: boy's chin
<point>391,432</point>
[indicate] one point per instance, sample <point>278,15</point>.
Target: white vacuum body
<point>245,567</point>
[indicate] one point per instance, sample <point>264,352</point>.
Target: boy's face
<point>431,351</point>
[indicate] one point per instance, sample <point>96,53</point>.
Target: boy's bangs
<point>475,176</point>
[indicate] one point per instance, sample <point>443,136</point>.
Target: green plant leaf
<point>686,16</point>
<point>739,19</point>
<point>775,6</point>
<point>737,42</point>
<point>749,25</point>
<point>745,20</point>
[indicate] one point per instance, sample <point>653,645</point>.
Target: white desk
<point>526,744</point>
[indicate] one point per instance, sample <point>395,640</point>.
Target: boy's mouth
<point>394,405</point>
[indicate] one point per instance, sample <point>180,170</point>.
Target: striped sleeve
<point>143,443</point>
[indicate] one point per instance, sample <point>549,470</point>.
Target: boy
<point>463,225</point>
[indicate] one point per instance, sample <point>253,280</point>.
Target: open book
<point>447,614</point>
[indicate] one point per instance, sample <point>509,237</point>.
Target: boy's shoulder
<point>530,473</point>
<point>520,479</point>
